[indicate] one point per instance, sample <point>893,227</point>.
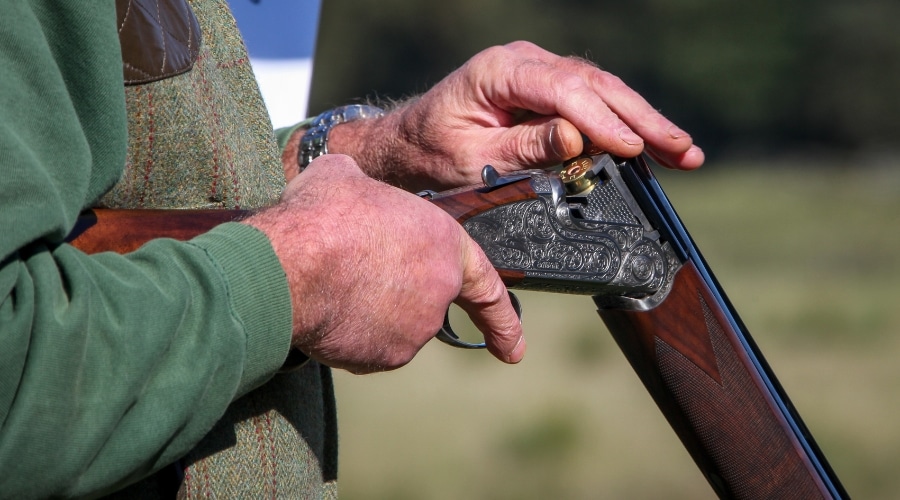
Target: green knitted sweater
<point>110,366</point>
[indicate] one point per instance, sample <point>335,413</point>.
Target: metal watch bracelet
<point>314,142</point>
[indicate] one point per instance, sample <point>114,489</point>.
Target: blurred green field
<point>810,259</point>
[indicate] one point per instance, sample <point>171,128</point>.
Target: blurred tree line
<point>747,78</point>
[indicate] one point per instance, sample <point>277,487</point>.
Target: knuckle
<point>570,85</point>
<point>497,53</point>
<point>581,62</point>
<point>397,356</point>
<point>432,326</point>
<point>521,46</point>
<point>393,363</point>
<point>485,291</point>
<point>608,80</point>
<point>522,149</point>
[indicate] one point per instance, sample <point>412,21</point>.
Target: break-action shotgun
<point>602,226</point>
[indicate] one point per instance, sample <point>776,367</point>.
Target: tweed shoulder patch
<point>159,38</point>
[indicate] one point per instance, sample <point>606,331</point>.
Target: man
<point>114,367</point>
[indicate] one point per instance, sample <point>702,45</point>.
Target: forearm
<point>114,366</point>
<point>110,366</point>
<point>126,362</point>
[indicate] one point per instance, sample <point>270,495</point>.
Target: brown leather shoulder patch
<point>159,39</point>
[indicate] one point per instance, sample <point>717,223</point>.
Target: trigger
<point>449,337</point>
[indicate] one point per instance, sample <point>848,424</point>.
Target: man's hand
<point>514,106</point>
<point>372,270</point>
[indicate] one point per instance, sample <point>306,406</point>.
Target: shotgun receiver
<point>602,226</point>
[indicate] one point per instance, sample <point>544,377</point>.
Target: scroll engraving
<point>569,255</point>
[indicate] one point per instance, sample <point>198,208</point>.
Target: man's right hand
<point>513,106</point>
<point>372,270</point>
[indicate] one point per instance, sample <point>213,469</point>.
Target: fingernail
<point>556,143</point>
<point>629,137</point>
<point>518,352</point>
<point>698,155</point>
<point>676,133</point>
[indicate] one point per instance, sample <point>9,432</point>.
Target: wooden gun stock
<point>123,231</point>
<point>709,378</point>
<point>699,373</point>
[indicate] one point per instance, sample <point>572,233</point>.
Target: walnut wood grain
<point>123,231</point>
<point>691,361</point>
<point>466,203</point>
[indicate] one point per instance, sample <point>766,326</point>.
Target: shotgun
<point>602,226</point>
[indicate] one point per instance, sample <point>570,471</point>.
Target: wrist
<point>314,141</point>
<point>393,148</point>
<point>290,151</point>
<point>284,224</point>
<point>371,143</point>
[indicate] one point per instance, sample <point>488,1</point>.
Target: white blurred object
<point>285,88</point>
<point>281,39</point>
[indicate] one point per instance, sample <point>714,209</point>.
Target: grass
<point>810,259</point>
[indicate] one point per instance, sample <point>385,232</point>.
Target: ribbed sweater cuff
<point>283,135</point>
<point>259,294</point>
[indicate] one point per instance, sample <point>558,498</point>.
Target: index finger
<point>485,299</point>
<point>668,143</point>
<point>603,107</point>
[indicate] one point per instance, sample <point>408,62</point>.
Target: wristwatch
<point>314,142</point>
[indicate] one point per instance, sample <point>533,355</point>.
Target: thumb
<point>327,169</point>
<point>539,142</point>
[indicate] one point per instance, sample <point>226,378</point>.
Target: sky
<point>280,37</point>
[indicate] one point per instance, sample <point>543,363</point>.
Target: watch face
<point>281,40</point>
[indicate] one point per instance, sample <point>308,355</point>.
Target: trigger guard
<point>449,337</point>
